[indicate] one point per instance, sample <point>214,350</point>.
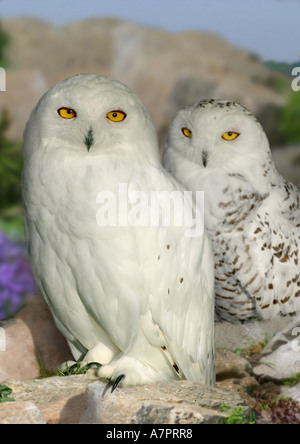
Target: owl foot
<point>128,371</point>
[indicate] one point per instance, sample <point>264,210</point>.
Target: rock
<point>79,399</point>
<point>167,70</point>
<point>33,345</point>
<point>281,357</point>
<point>233,375</point>
<point>61,399</point>
<point>241,336</point>
<point>18,359</point>
<point>244,387</point>
<point>24,87</point>
<point>180,402</point>
<point>287,161</point>
<point>291,392</point>
<point>231,365</point>
<point>20,413</point>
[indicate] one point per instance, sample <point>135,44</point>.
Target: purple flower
<point>16,278</point>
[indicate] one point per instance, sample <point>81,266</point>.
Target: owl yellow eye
<point>67,113</point>
<point>186,132</point>
<point>116,116</point>
<point>230,135</point>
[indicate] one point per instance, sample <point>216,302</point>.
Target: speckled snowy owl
<point>252,214</point>
<point>136,298</point>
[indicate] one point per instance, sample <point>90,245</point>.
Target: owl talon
<point>93,365</point>
<point>112,384</point>
<point>79,367</point>
<point>116,382</point>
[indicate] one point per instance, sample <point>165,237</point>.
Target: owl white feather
<point>252,214</point>
<point>137,299</point>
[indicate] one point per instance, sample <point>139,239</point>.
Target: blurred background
<point>170,52</point>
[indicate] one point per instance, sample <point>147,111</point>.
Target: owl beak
<point>89,139</point>
<point>204,158</point>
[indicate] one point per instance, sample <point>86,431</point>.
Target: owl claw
<point>79,367</point>
<point>112,384</point>
<point>116,382</point>
<point>93,365</point>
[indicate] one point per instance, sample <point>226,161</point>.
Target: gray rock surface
<point>281,357</point>
<point>291,392</point>
<point>20,413</point>
<point>62,400</point>
<point>182,402</point>
<point>79,399</point>
<point>241,336</point>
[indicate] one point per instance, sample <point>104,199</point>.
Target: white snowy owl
<point>252,214</point>
<point>137,299</point>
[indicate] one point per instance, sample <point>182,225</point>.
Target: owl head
<point>217,134</point>
<point>87,115</point>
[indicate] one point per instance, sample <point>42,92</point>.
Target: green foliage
<point>238,415</point>
<point>282,67</point>
<point>293,380</point>
<point>5,393</point>
<point>290,119</point>
<point>4,40</point>
<point>289,122</point>
<point>254,348</point>
<point>75,369</point>
<point>13,226</point>
<point>79,368</point>
<point>11,220</point>
<point>11,164</point>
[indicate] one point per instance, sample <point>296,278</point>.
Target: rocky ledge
<point>255,363</point>
<point>79,399</point>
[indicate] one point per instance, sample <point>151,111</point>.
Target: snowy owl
<point>252,214</point>
<point>136,298</point>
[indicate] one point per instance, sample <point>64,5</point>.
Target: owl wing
<point>289,198</point>
<point>182,300</point>
<point>265,259</point>
<point>280,221</point>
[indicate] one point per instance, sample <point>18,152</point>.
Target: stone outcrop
<point>281,357</point>
<point>182,402</point>
<point>167,70</point>
<point>287,161</point>
<point>33,345</point>
<point>61,400</point>
<point>34,348</point>
<point>79,399</point>
<point>20,413</point>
